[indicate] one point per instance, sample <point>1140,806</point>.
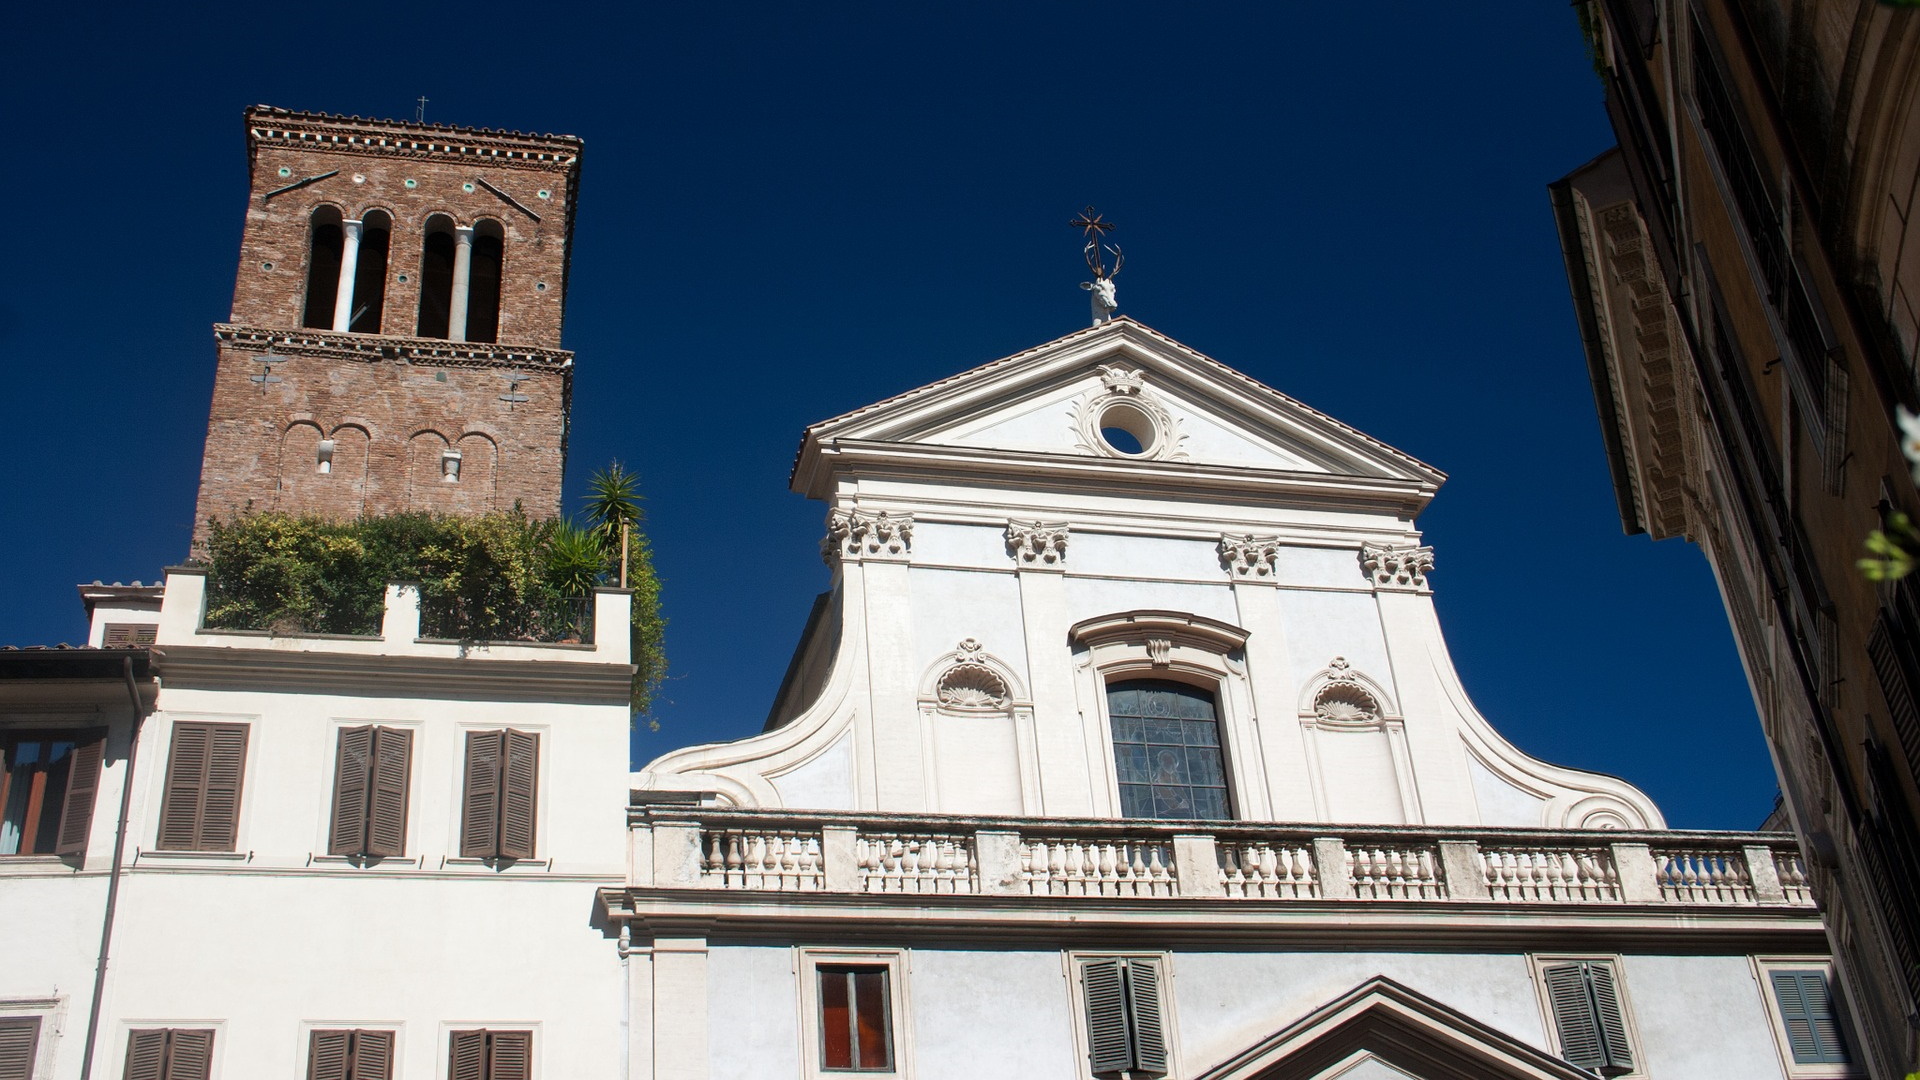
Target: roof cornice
<point>267,125</point>
<point>202,667</point>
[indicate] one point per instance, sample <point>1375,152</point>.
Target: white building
<point>1125,743</point>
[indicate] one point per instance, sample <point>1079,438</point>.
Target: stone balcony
<point>775,866</point>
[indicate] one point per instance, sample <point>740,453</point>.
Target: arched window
<point>436,277</point>
<point>483,290</point>
<point>1166,750</point>
<point>325,242</point>
<point>370,273</point>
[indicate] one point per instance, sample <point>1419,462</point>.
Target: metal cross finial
<point>420,110</point>
<point>1092,224</point>
<point>1094,227</point>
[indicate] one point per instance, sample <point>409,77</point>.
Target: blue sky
<point>789,211</point>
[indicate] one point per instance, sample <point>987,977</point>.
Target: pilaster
<point>1039,554</point>
<point>1442,786</point>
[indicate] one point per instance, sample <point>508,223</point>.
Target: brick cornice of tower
<point>370,348</point>
<point>406,139</point>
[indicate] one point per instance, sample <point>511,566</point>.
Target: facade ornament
<point>971,683</point>
<point>1101,289</point>
<point>1340,696</point>
<point>1396,567</point>
<point>857,534</point>
<point>1249,557</point>
<point>1036,545</point>
<point>1120,379</point>
<point>1160,651</point>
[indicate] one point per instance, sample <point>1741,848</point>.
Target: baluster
<point>736,861</point>
<point>1357,872</point>
<point>1160,880</point>
<point>1429,876</point>
<point>715,860</point>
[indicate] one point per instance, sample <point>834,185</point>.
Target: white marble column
<point>349,265</point>
<point>462,279</point>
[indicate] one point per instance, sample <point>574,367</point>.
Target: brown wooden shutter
<point>352,777</point>
<point>467,1053</point>
<point>189,1055</point>
<point>19,1038</point>
<point>372,1055</point>
<point>226,768</point>
<point>327,1054</point>
<point>387,805</point>
<point>83,786</point>
<point>146,1055</point>
<point>128,635</point>
<point>519,783</point>
<point>480,806</point>
<point>186,778</point>
<point>511,1057</point>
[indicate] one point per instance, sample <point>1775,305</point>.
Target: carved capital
<point>1403,568</point>
<point>1249,558</point>
<point>1036,545</point>
<point>858,534</point>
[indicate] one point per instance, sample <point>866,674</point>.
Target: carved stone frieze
<point>1249,558</point>
<point>858,534</point>
<point>1036,545</point>
<point>1391,567</point>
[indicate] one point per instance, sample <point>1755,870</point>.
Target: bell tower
<point>395,336</point>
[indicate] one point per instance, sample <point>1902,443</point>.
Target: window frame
<point>542,762</point>
<point>898,966</point>
<point>1763,969</point>
<point>1136,679</point>
<point>311,1028</point>
<point>39,1014</point>
<point>128,1028</point>
<point>323,844</point>
<point>535,1038</point>
<point>1074,962</point>
<point>1537,963</point>
<point>81,737</point>
<point>162,773</point>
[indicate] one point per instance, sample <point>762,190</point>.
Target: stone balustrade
<point>679,846</point>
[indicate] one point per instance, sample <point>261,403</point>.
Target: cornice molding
<point>202,667</point>
<point>402,139</point>
<point>373,348</point>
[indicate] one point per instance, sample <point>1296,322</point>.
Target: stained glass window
<point>1166,749</point>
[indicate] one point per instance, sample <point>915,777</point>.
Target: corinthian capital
<point>1249,558</point>
<point>1389,567</point>
<point>1036,545</point>
<point>858,534</point>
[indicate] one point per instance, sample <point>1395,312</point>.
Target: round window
<point>1127,429</point>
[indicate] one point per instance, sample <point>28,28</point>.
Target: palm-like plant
<point>613,507</point>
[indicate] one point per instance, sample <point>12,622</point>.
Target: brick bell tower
<point>395,338</point>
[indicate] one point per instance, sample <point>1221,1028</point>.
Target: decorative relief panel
<point>1249,558</point>
<point>858,534</point>
<point>1036,545</point>
<point>1125,405</point>
<point>1403,568</point>
<point>1340,697</point>
<point>970,680</point>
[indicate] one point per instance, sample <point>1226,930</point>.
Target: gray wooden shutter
<point>372,1055</point>
<point>186,777</point>
<point>1806,1007</point>
<point>128,635</point>
<point>1573,1016</point>
<point>387,804</point>
<point>352,777</point>
<point>146,1055</point>
<point>519,780</point>
<point>226,769</point>
<point>1611,1020</point>
<point>511,1057</point>
<point>327,1053</point>
<point>19,1038</point>
<point>480,806</point>
<point>83,786</point>
<point>1109,1040</point>
<point>467,1050</point>
<point>189,1055</point>
<point>1143,1009</point>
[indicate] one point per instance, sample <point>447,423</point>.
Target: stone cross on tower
<point>1101,289</point>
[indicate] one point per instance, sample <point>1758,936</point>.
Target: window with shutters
<point>169,1054</point>
<point>499,803</point>
<point>855,1000</point>
<point>1807,1023</point>
<point>200,802</point>
<point>1123,1014</point>
<point>121,635</point>
<point>370,783</point>
<point>490,1054</point>
<point>1587,1013</point>
<point>357,1054</point>
<point>48,783</point>
<point>19,1042</point>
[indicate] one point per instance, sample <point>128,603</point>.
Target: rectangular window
<point>19,1039</point>
<point>200,807</point>
<point>1166,749</point>
<point>370,785</point>
<point>856,1025</point>
<point>1807,1016</point>
<point>169,1054</point>
<point>1583,998</point>
<point>48,780</point>
<point>350,1055</point>
<point>497,810</point>
<point>490,1055</point>
<point>1126,1031</point>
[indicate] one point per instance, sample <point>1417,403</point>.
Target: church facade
<point>1124,743</point>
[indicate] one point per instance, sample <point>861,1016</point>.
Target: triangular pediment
<point>1382,1028</point>
<point>1119,392</point>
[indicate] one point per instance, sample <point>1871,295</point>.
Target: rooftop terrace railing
<point>695,847</point>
